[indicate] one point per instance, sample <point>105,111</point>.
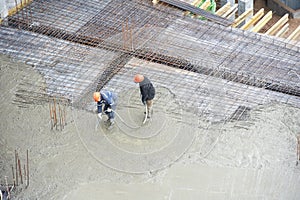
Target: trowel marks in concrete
<point>134,147</point>
<point>119,191</point>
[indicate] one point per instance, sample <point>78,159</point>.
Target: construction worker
<point>147,91</point>
<point>109,99</point>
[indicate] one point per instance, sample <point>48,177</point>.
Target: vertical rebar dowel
<point>126,31</point>
<point>124,35</point>
<point>7,188</point>
<point>16,3</point>
<point>25,176</point>
<point>60,117</point>
<point>54,113</point>
<point>30,13</point>
<point>57,115</point>
<point>27,162</point>
<point>51,116</point>
<point>130,34</point>
<point>16,164</point>
<point>27,13</point>
<point>20,170</point>
<point>298,149</point>
<point>13,175</point>
<point>22,10</point>
<point>63,115</point>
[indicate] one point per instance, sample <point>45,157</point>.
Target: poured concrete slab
<point>195,181</point>
<point>251,159</point>
<point>146,191</point>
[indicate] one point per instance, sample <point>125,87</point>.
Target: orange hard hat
<point>97,96</point>
<point>138,78</point>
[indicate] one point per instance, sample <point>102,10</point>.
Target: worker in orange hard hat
<point>97,96</point>
<point>109,100</point>
<point>147,91</point>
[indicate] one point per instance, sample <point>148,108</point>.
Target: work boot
<point>111,124</point>
<point>107,122</point>
<point>150,113</point>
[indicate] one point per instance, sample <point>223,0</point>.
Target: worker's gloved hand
<point>100,116</point>
<point>108,110</point>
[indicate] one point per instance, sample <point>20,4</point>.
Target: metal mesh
<point>81,46</point>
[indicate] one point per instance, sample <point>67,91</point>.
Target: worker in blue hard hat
<point>109,100</point>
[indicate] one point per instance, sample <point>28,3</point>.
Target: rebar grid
<point>79,46</point>
<point>209,97</point>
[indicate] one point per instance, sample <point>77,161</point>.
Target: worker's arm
<point>99,105</point>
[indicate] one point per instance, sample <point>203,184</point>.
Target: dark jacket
<point>147,90</point>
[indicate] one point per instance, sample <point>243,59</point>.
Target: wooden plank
<point>193,4</point>
<point>232,13</point>
<point>280,23</point>
<point>224,8</point>
<point>205,5</point>
<point>21,5</point>
<point>282,31</point>
<point>198,11</point>
<point>262,22</point>
<point>253,19</point>
<point>242,17</point>
<point>230,10</point>
<point>155,2</point>
<point>295,34</point>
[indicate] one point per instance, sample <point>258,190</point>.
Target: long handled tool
<point>97,123</point>
<point>133,127</point>
<point>298,150</point>
<point>146,115</point>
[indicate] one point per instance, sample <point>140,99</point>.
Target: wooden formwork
<point>256,23</point>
